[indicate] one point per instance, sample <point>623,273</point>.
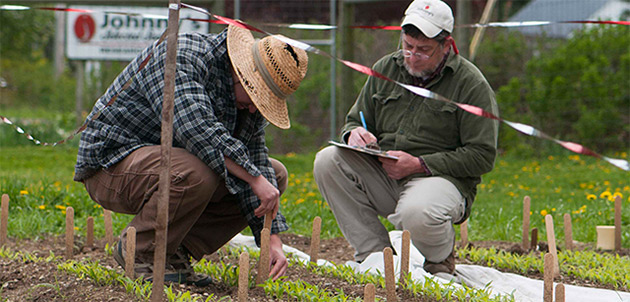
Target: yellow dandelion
<point>298,181</point>
<point>530,213</point>
<point>57,184</point>
<point>299,201</point>
<point>482,186</point>
<point>60,207</point>
<point>23,192</point>
<point>591,186</point>
<point>624,154</point>
<point>558,190</point>
<point>617,194</point>
<point>574,157</point>
<point>606,183</point>
<point>524,169</point>
<point>544,213</point>
<point>583,186</point>
<point>591,197</point>
<point>550,157</point>
<point>605,195</point>
<point>42,207</point>
<point>553,209</point>
<point>516,176</point>
<point>512,194</point>
<point>291,175</point>
<point>310,194</point>
<point>290,154</point>
<point>76,228</point>
<point>96,206</point>
<point>63,212</point>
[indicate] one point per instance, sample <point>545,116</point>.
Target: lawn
<point>39,182</point>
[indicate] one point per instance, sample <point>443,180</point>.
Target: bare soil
<point>41,281</point>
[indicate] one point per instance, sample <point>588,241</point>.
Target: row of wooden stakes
<point>551,265</point>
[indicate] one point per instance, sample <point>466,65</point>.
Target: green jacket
<point>453,144</point>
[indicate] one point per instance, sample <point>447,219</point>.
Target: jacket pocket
<point>437,124</point>
<point>387,111</point>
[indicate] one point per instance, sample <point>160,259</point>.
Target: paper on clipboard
<point>369,151</point>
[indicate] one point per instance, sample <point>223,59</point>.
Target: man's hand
<point>277,259</point>
<point>359,136</point>
<point>268,195</point>
<point>406,164</point>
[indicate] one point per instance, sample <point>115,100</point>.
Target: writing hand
<point>406,164</point>
<point>359,136</point>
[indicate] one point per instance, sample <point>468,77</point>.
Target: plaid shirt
<point>204,120</point>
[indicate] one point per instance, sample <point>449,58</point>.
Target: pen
<point>363,120</point>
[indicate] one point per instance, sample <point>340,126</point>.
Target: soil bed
<point>41,281</point>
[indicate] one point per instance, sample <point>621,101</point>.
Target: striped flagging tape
<point>523,128</point>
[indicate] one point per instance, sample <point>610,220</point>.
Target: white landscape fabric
<point>523,288</point>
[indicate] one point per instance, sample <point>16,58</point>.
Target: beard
<point>417,73</point>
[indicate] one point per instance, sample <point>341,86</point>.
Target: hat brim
<point>273,108</point>
<point>428,29</point>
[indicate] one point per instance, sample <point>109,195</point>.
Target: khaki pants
<point>202,216</point>
<point>358,190</point>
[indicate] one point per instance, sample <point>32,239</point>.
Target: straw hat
<point>269,70</point>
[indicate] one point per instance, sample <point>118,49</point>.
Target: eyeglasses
<point>418,55</point>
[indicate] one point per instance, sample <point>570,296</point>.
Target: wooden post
<point>166,142</point>
<point>263,262</point>
<point>4,219</point>
<point>526,209</point>
<point>109,233</point>
<point>267,221</point>
<point>89,232</point>
<point>560,293</point>
<point>369,294</point>
<point>551,241</point>
<point>243,277</point>
<point>69,232</point>
<point>317,227</point>
<point>390,283</point>
<point>534,243</point>
<point>404,256</point>
<point>485,17</point>
<point>548,278</point>
<point>463,232</point>
<point>568,232</point>
<point>130,259</point>
<point>618,223</point>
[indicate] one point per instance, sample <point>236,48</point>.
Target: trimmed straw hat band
<point>264,72</point>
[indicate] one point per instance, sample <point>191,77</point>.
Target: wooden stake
<point>89,232</point>
<point>390,283</point>
<point>109,232</point>
<point>166,143</point>
<point>618,223</point>
<point>568,232</point>
<point>243,277</point>
<point>130,259</point>
<point>476,39</point>
<point>4,219</point>
<point>534,243</point>
<point>369,294</point>
<point>69,232</point>
<point>560,293</point>
<point>526,209</point>
<point>463,232</point>
<point>551,241</point>
<point>404,256</point>
<point>317,228</point>
<point>548,278</point>
<point>263,262</point>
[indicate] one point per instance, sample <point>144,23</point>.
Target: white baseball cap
<point>429,16</point>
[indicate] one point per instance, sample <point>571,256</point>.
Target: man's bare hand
<point>359,136</point>
<point>268,195</point>
<point>277,259</point>
<point>406,164</point>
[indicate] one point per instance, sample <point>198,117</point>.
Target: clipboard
<point>365,150</point>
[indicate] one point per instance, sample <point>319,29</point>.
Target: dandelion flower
<point>591,197</point>
<point>550,157</point>
<point>290,154</point>
<point>605,195</point>
<point>299,201</point>
<point>23,192</point>
<point>544,213</point>
<point>42,207</point>
<point>583,186</point>
<point>617,194</point>
<point>60,207</point>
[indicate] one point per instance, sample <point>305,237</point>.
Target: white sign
<point>119,32</point>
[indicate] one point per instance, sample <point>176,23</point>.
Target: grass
<point>39,182</point>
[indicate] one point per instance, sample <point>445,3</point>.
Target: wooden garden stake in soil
<point>560,293</point>
<point>263,262</point>
<point>463,232</point>
<point>369,293</point>
<point>618,223</point>
<point>69,232</point>
<point>568,232</point>
<point>267,221</point>
<point>4,219</point>
<point>166,143</point>
<point>526,210</point>
<point>243,277</point>
<point>89,232</point>
<point>551,241</point>
<point>390,283</point>
<point>548,278</point>
<point>317,228</point>
<point>534,242</point>
<point>109,232</point>
<point>404,256</point>
<point>131,253</point>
